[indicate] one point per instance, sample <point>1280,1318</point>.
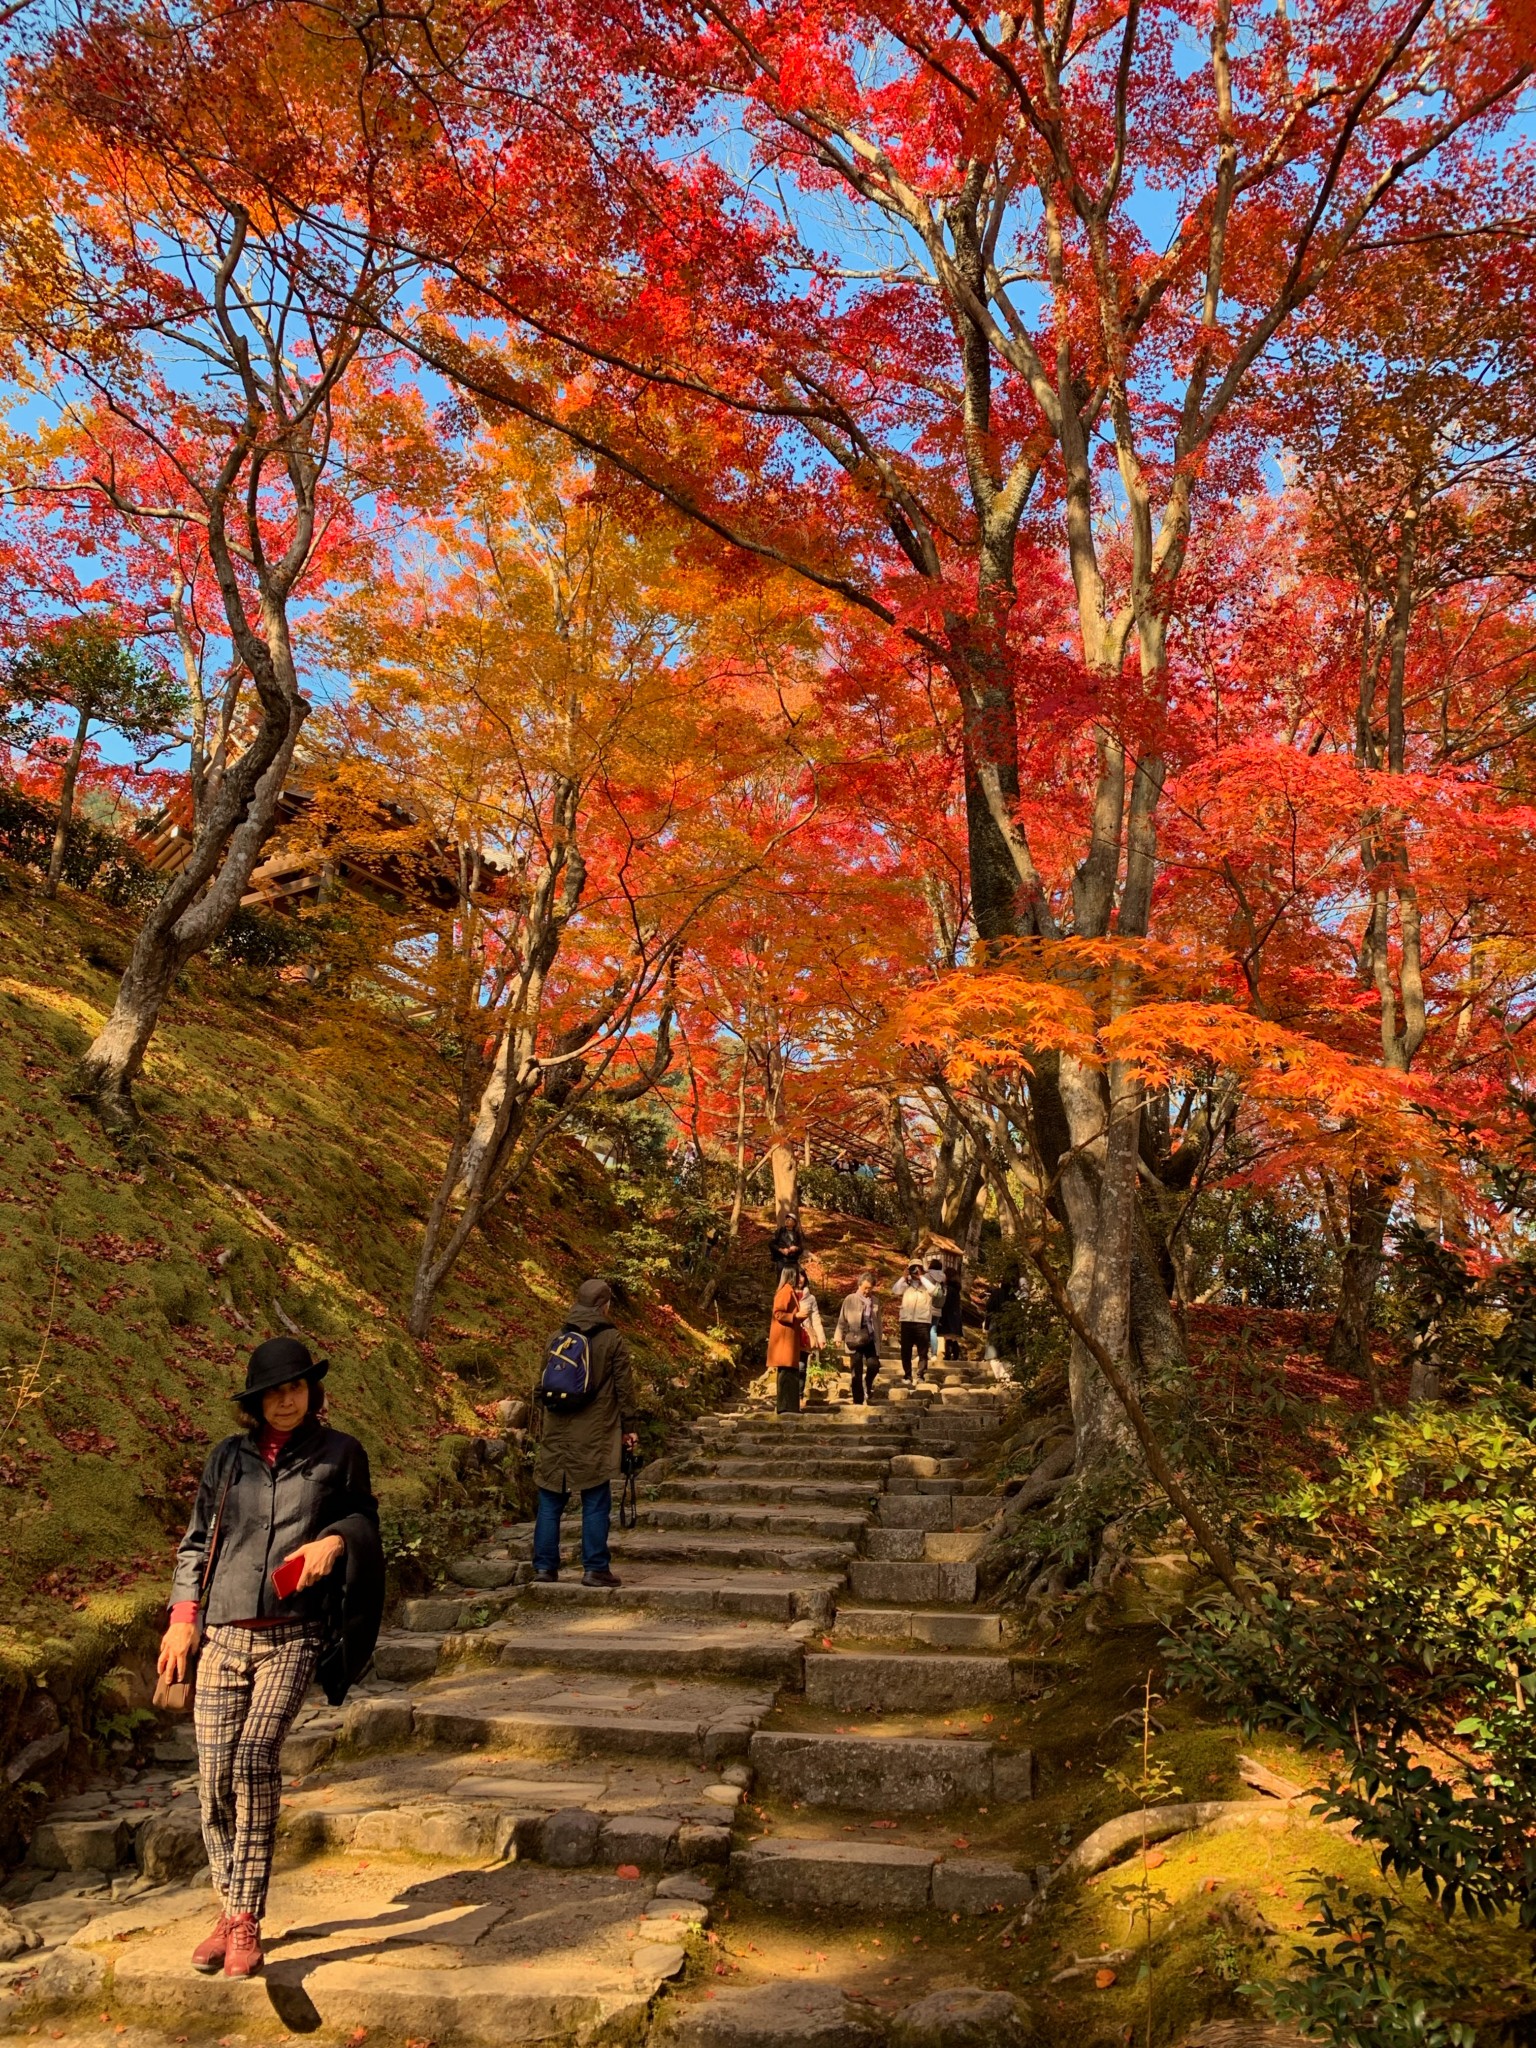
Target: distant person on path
<point>787,1246</point>
<point>1004,1293</point>
<point>858,1331</point>
<point>288,1496</point>
<point>586,1422</point>
<point>786,1329</point>
<point>951,1321</point>
<point>815,1332</point>
<point>937,1281</point>
<point>915,1312</point>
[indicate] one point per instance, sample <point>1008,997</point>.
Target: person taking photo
<point>914,1299</point>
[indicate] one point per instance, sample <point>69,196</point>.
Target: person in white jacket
<point>915,1314</point>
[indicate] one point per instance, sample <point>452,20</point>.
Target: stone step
<point>922,1465</point>
<point>722,1551</point>
<point>642,1652</point>
<point>934,1546</point>
<point>840,1493</point>
<point>937,1510</point>
<point>874,1878</point>
<point>439,1613</point>
<point>571,1734</point>
<point>371,1947</point>
<point>839,1440</point>
<point>831,1525</point>
<point>707,1721</point>
<point>887,1773</point>
<point>730,1549</point>
<point>869,1682</point>
<point>954,1546</point>
<point>404,1655</point>
<point>787,1464</point>
<point>692,1589</point>
<point>936,1489</point>
<point>930,1584</point>
<point>944,1630</point>
<point>488,1574</point>
<point>954,1421</point>
<point>844,1425</point>
<point>491,1820</point>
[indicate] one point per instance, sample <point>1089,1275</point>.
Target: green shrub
<point>1031,1338</point>
<point>261,938</point>
<point>1253,1251</point>
<point>1361,1984</point>
<point>1398,1634</point>
<point>852,1194</point>
<point>95,858</point>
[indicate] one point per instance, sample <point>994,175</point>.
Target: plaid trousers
<point>251,1683</point>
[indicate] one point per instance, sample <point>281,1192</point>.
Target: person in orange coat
<point>785,1346</point>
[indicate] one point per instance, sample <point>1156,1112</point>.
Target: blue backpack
<point>565,1385</point>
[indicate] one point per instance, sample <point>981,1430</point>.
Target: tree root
<point>1157,1824</point>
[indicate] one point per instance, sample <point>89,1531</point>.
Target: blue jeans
<point>596,1509</point>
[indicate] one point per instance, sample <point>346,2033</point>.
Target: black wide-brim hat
<point>277,1361</point>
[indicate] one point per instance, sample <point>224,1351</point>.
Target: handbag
<point>175,1695</point>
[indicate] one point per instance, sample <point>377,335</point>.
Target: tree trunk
<point>943,1169</point>
<point>66,806</point>
<point>478,1164</point>
<point>195,908</point>
<point>1156,1338</point>
<point>1098,1189</point>
<point>1349,1346</point>
<point>786,1181</point>
<point>973,1229</point>
<point>957,1223</point>
<point>901,1168</point>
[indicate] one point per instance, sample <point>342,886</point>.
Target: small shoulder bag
<point>175,1695</point>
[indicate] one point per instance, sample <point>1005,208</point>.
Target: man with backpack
<point>587,1425</point>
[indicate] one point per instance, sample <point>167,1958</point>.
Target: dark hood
<point>585,1319</point>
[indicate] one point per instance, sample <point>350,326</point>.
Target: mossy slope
<point>291,1143</point>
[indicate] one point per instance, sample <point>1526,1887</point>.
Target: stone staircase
<point>519,1829</point>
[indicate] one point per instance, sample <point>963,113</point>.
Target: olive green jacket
<point>582,1450</point>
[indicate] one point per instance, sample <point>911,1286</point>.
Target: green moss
<point>289,1152</point>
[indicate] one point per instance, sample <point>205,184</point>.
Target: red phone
<point>285,1579</point>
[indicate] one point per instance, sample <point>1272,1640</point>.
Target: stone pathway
<point>520,1829</point>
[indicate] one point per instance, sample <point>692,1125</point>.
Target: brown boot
<point>208,1956</point>
<point>243,1957</point>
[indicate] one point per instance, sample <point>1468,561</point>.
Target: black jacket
<point>320,1486</point>
<point>951,1316</point>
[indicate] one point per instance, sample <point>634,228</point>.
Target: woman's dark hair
<point>250,1411</point>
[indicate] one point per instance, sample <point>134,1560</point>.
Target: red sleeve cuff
<point>183,1611</point>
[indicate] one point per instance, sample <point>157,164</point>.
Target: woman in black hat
<point>288,1496</point>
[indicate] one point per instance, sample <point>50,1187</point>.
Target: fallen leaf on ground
<point>1103,1979</point>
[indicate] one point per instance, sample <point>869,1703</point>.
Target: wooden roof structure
<point>286,880</point>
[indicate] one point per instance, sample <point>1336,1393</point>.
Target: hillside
<point>290,1145</point>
